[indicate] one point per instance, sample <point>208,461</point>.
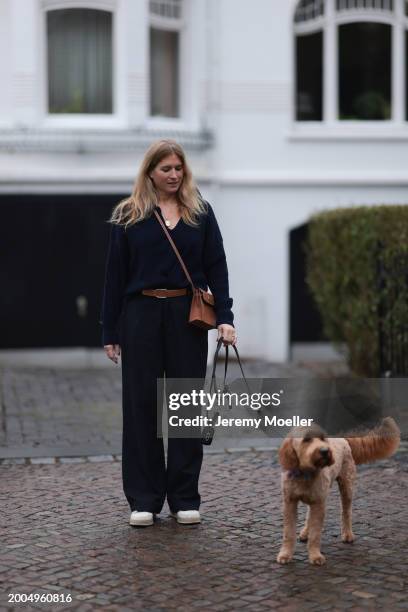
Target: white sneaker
<point>187,517</point>
<point>141,519</point>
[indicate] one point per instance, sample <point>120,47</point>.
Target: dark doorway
<point>305,321</point>
<point>52,269</point>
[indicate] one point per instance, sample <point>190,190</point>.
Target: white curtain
<point>164,73</point>
<point>79,61</point>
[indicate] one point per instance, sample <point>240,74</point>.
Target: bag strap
<point>175,249</point>
<point>213,379</point>
<point>240,365</point>
<point>216,354</point>
<point>208,431</point>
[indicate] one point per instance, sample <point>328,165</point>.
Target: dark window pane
<point>164,73</point>
<point>309,77</point>
<point>365,71</point>
<point>79,61</point>
<point>406,75</point>
<point>307,10</point>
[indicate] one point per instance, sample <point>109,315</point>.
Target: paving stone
<point>98,458</point>
<point>65,523</point>
<point>77,412</point>
<point>42,460</point>
<point>170,567</point>
<point>13,461</point>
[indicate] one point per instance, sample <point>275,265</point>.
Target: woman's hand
<point>112,351</point>
<point>228,333</point>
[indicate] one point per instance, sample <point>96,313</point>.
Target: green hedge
<point>343,251</point>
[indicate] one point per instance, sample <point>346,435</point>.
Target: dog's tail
<point>380,443</point>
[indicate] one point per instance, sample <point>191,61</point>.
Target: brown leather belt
<point>165,293</point>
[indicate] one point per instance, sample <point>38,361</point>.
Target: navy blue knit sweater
<point>141,257</point>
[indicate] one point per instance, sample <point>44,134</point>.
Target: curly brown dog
<point>311,462</point>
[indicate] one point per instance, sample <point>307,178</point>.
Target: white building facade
<point>284,108</point>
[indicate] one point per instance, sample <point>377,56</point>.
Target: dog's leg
<point>346,493</point>
<point>289,532</point>
<point>304,534</point>
<point>316,519</point>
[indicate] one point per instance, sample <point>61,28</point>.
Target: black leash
<point>208,431</point>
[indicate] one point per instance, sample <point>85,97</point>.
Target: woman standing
<point>152,334</point>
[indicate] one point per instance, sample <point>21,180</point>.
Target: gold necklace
<point>167,221</point>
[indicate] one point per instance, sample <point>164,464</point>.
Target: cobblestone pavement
<point>58,411</point>
<point>62,412</point>
<point>64,520</point>
<point>66,532</point>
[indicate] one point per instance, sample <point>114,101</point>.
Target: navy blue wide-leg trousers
<point>156,340</point>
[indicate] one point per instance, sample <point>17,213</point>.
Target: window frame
<point>173,25</point>
<point>84,121</point>
<point>126,115</point>
<point>331,126</point>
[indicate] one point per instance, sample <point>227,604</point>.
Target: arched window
<point>165,31</point>
<point>79,60</point>
<point>349,57</point>
<point>309,20</point>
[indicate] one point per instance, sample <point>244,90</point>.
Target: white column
<point>213,32</point>
<point>119,49</point>
<point>330,64</point>
<point>6,102</point>
<point>192,61</point>
<point>23,56</point>
<point>135,29</point>
<point>212,118</point>
<point>398,64</point>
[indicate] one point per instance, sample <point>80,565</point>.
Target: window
<point>165,26</point>
<point>168,8</point>
<point>348,60</point>
<point>164,61</point>
<point>79,57</point>
<point>406,74</point>
<point>309,76</point>
<point>307,10</point>
<point>365,71</point>
<point>309,60</point>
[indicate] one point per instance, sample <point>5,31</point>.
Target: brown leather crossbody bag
<point>202,311</point>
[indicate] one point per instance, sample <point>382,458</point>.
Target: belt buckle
<point>161,297</point>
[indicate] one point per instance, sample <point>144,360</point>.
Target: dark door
<point>52,269</point>
<point>305,321</point>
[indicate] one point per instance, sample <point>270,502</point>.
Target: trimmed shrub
<point>357,275</point>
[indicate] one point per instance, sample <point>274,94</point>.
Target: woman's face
<point>168,175</point>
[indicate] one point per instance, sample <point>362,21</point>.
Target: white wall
<point>5,67</point>
<point>269,178</point>
<point>256,223</point>
<point>264,176</point>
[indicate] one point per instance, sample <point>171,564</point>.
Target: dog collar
<point>296,473</point>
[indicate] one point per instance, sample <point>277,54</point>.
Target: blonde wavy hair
<point>140,204</point>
